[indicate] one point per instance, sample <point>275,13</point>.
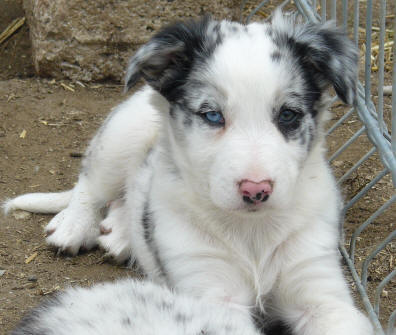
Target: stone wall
<point>92,40</point>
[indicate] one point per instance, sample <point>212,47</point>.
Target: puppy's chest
<point>260,260</point>
<point>254,256</point>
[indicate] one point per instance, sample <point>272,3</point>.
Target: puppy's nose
<point>254,192</point>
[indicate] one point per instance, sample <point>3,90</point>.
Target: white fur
<point>204,239</point>
<point>129,307</point>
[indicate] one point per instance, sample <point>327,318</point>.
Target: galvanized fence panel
<point>356,16</point>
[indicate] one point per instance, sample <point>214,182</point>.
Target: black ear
<point>166,60</point>
<point>324,51</point>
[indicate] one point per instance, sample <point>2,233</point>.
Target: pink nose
<point>255,192</point>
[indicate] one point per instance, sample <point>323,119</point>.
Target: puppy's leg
<point>75,226</point>
<point>313,298</point>
<point>116,152</point>
<point>115,232</point>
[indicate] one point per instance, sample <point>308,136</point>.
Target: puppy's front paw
<point>115,235</point>
<point>73,229</point>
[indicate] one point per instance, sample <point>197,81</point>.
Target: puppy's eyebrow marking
<point>205,107</point>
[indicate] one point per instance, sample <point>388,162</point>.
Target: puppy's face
<point>245,104</point>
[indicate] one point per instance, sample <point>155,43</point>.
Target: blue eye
<point>288,116</point>
<point>214,117</point>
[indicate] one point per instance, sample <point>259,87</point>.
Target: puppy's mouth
<point>252,210</point>
<point>254,206</point>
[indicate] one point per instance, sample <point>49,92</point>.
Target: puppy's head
<point>246,102</point>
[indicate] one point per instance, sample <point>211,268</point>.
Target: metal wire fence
<point>375,112</point>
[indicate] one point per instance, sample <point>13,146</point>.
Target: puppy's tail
<point>48,203</point>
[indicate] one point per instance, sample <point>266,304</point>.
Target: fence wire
<point>378,125</point>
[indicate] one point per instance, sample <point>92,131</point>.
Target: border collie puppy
<point>216,174</point>
<point>130,307</point>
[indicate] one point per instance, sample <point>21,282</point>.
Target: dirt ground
<point>44,129</point>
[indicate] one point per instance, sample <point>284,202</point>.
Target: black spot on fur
<point>303,139</point>
<point>217,34</point>
<point>126,321</point>
<point>146,223</point>
<point>166,305</point>
<point>172,112</point>
<point>216,28</point>
<point>276,56</point>
<point>187,120</point>
<point>180,110</point>
<point>146,160</point>
<point>310,135</point>
<point>234,29</point>
<point>148,232</point>
<point>182,318</point>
